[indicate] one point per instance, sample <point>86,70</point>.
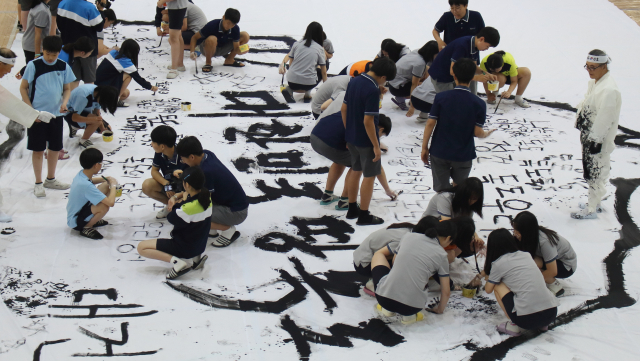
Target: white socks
<point>518,98</point>
<point>178,263</point>
<point>228,233</point>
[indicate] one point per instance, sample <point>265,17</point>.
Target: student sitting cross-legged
<point>84,110</point>
<point>230,205</point>
<point>191,219</point>
<point>87,203</point>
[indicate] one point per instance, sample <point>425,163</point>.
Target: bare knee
<point>149,186</point>
<point>244,37</point>
<point>211,41</point>
<point>524,72</point>
<point>125,94</point>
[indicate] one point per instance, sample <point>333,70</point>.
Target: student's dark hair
<point>466,229</point>
<point>527,225</point>
<point>165,135</point>
<point>392,48</point>
<point>82,44</point>
<point>90,157</point>
<point>384,67</point>
<point>367,67</point>
<point>499,243</point>
<point>464,69</point>
<point>7,53</point>
<point>314,33</point>
<point>52,43</point>
<point>490,35</point>
<point>35,3</point>
<point>432,227</point>
<point>108,98</point>
<point>129,49</point>
<point>384,122</point>
<point>110,15</point>
<point>470,187</point>
<point>459,2</point>
<point>402,225</point>
<point>429,51</point>
<point>495,61</point>
<point>232,15</point>
<point>194,176</point>
<point>188,146</point>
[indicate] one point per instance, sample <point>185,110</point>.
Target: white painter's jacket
<point>15,109</point>
<point>599,112</point>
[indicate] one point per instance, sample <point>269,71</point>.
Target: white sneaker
<point>180,68</point>
<point>599,208</point>
<point>85,143</point>
<point>172,74</point>
<point>56,184</point>
<point>584,214</point>
<point>38,190</point>
<point>163,213</point>
<point>556,288</point>
<point>4,218</point>
<point>523,103</point>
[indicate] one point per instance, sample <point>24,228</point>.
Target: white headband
<point>10,61</point>
<point>599,59</point>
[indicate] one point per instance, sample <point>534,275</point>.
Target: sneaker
<point>172,74</point>
<point>4,218</point>
<point>353,213</point>
<point>180,68</point>
<point>101,223</point>
<point>288,96</point>
<point>407,320</point>
<point>199,263</point>
<point>384,312</point>
<point>401,104</point>
<point>85,143</point>
<point>38,190</point>
<point>163,213</point>
<point>584,214</point>
<point>599,208</point>
<point>226,238</point>
<point>179,268</point>
<point>90,233</point>
<point>122,104</point>
<point>342,205</point>
<point>509,328</point>
<point>523,103</point>
<point>369,288</point>
<point>56,184</point>
<point>327,199</point>
<point>371,220</point>
<point>556,288</point>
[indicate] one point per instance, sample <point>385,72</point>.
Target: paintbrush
<point>162,37</point>
<point>154,93</point>
<point>196,61</point>
<point>497,105</point>
<point>282,83</point>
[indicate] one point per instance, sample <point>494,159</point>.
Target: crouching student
<point>463,199</point>
<point>412,69</point>
<point>357,68</point>
<point>84,110</point>
<point>88,203</point>
<point>403,288</point>
<point>392,50</point>
<point>191,217</point>
<point>327,93</point>
<point>518,285</point>
<point>229,202</point>
<point>163,184</point>
<point>552,253</point>
<point>503,66</point>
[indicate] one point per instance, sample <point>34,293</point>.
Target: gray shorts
<point>25,5</point>
<point>342,157</point>
<point>441,87</point>
<point>442,170</point>
<point>362,161</point>
<point>85,69</point>
<point>220,50</point>
<point>223,215</point>
<point>53,7</point>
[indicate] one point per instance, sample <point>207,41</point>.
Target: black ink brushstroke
<point>255,62</point>
<point>93,310</point>
<point>622,140</point>
<point>331,226</point>
<point>15,131</point>
<point>250,115</point>
<point>264,133</point>
<point>308,190</point>
<point>111,294</point>
<point>38,350</point>
<point>110,342</point>
<point>616,297</point>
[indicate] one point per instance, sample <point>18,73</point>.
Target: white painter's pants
<point>596,172</point>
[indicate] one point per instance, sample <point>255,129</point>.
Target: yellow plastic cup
<point>244,48</point>
<point>118,191</point>
<point>185,106</point>
<point>493,86</point>
<point>468,292</point>
<point>107,136</point>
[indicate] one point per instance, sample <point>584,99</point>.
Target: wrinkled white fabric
<point>15,109</point>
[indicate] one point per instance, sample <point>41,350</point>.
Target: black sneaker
<point>288,97</point>
<point>222,241</point>
<point>100,223</point>
<point>369,221</point>
<point>90,233</point>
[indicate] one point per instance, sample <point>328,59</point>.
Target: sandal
<point>207,69</point>
<point>235,64</point>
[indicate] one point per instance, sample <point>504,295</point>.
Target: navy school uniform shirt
<point>78,18</point>
<point>362,98</point>
<point>46,84</point>
<point>191,222</point>
<point>223,185</point>
<point>464,47</point>
<point>214,27</point>
<point>454,28</point>
<point>457,113</point>
<point>330,130</point>
<point>112,67</point>
<point>168,165</point>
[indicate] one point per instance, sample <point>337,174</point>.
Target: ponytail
<point>82,44</point>
<point>402,225</point>
<point>204,198</point>
<point>432,227</point>
<point>195,178</point>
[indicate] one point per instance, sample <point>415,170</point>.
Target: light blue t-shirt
<point>46,84</point>
<point>82,191</point>
<point>81,100</point>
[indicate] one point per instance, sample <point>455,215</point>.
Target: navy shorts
<point>82,214</point>
<point>176,17</point>
<point>187,35</point>
<point>179,248</point>
<point>42,133</point>
<point>421,105</point>
<point>531,321</point>
<point>404,91</point>
<point>76,125</point>
<point>296,86</point>
<point>388,304</point>
<point>563,272</point>
<point>363,271</point>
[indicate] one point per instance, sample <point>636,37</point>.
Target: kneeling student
<point>84,107</point>
<point>518,284</point>
<point>403,288</point>
<point>191,217</point>
<point>87,203</point>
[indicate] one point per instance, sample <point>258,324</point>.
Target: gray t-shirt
<point>39,17</point>
<point>440,205</point>
<point>305,60</point>
<point>177,4</point>
<point>334,107</point>
<point>418,258</point>
<point>407,67</point>
<point>520,273</point>
<point>562,252</point>
<point>425,91</point>
<point>329,90</point>
<point>196,19</point>
<point>375,241</point>
<point>403,52</point>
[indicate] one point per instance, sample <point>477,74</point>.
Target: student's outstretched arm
<point>436,35</point>
<point>24,92</point>
<point>370,127</point>
<point>110,201</point>
<point>323,70</point>
<point>551,272</point>
<point>481,133</point>
<point>193,43</point>
<point>428,130</point>
<point>445,293</point>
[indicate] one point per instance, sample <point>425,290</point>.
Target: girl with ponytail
<point>191,219</point>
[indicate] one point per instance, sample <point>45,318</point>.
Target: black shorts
<point>176,17</point>
<point>296,86</point>
<point>421,105</point>
<point>315,116</point>
<point>82,214</point>
<point>508,82</point>
<point>28,56</point>
<point>388,304</point>
<point>563,272</point>
<point>344,71</point>
<point>53,7</point>
<point>187,35</point>
<point>76,125</point>
<point>42,133</point>
<point>363,271</point>
<point>115,82</point>
<point>25,5</point>
<point>531,321</point>
<point>404,91</point>
<point>180,249</point>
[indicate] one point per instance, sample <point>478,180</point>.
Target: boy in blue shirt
<point>162,182</point>
<point>457,116</point>
<point>84,110</point>
<point>46,87</point>
<point>87,203</point>
<point>441,71</point>
<point>457,23</point>
<point>360,118</point>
